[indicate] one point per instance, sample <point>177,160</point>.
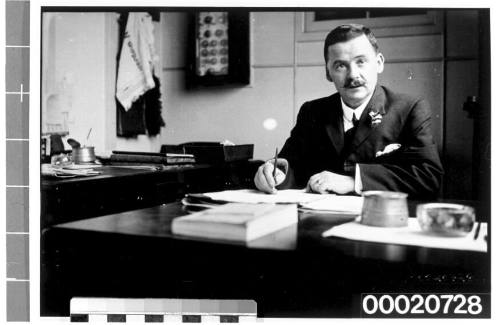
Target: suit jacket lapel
<point>376,104</point>
<point>335,123</point>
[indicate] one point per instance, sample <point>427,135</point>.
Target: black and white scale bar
<point>153,310</point>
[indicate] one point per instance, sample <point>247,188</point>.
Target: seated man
<point>364,137</point>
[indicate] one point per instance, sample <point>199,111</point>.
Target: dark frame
<point>239,53</point>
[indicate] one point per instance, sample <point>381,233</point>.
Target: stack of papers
<point>308,202</point>
<point>69,170</point>
<point>254,196</point>
<point>410,235</point>
<point>330,203</point>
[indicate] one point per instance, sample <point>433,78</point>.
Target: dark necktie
<point>354,120</point>
<point>349,134</point>
<point>348,138</point>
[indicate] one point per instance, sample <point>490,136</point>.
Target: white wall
<point>74,64</point>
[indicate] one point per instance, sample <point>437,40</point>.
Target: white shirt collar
<point>358,111</point>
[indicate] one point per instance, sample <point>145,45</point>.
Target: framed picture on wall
<point>219,49</point>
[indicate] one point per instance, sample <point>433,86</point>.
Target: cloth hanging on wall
<point>135,67</point>
<point>137,87</point>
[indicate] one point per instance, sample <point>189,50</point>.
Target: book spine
<point>150,159</point>
<point>153,154</point>
<point>133,163</point>
<point>139,153</point>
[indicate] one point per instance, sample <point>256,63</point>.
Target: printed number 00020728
<point>421,304</point>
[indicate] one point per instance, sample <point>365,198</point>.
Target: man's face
<point>353,66</point>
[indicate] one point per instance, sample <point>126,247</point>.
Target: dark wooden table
<point>119,189</point>
<point>291,273</point>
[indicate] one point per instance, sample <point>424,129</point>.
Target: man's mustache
<point>353,83</point>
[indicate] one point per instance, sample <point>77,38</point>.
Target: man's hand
<point>264,179</point>
<point>328,182</point>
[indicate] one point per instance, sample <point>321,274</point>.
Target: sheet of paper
<point>411,235</point>
<point>336,203</point>
<point>254,196</point>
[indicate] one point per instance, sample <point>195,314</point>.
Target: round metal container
<point>384,209</point>
<point>83,155</point>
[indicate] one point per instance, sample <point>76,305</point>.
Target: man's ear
<point>328,75</point>
<point>380,62</point>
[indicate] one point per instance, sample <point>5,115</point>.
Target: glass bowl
<point>446,219</point>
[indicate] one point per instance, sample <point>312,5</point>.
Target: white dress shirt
<point>348,112</point>
<point>347,116</point>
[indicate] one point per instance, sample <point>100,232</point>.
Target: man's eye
<point>339,66</point>
<point>361,61</point>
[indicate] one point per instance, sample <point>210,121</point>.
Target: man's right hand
<point>264,180</point>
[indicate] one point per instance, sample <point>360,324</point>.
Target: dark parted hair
<point>344,33</point>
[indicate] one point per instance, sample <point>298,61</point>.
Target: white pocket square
<point>388,149</point>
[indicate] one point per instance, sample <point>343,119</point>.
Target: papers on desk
<point>309,202</point>
<point>411,235</point>
<point>69,170</point>
<point>254,196</point>
<point>331,203</point>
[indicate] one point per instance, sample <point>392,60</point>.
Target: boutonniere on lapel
<point>376,118</point>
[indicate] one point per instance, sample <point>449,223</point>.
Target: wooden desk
<point>123,189</point>
<point>291,273</point>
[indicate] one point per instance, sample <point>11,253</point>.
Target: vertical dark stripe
<point>444,158</point>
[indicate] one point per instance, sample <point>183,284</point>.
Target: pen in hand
<point>275,164</point>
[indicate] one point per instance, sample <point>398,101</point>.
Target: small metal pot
<point>384,209</point>
<point>83,155</point>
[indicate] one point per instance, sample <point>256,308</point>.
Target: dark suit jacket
<point>317,140</point>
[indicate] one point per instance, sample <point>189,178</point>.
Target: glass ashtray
<point>446,219</point>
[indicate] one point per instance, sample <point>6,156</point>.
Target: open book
<point>236,221</point>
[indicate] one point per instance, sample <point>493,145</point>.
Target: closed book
<point>158,154</point>
<point>154,159</point>
<point>236,221</point>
